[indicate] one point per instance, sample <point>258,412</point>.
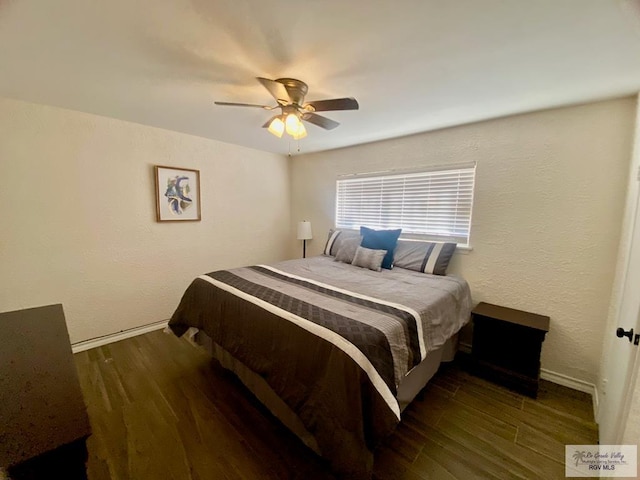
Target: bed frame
<point>412,384</point>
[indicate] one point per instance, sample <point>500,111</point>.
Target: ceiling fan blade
<point>276,89</point>
<point>333,104</point>
<point>320,121</point>
<point>233,104</point>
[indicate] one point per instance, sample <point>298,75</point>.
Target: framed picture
<point>177,194</point>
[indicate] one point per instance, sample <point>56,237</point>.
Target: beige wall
<point>550,188</point>
<point>78,216</point>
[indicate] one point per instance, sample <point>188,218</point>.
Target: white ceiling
<point>413,65</point>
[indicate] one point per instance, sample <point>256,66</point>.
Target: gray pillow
<point>335,239</point>
<point>369,258</point>
<point>425,257</point>
<point>348,249</point>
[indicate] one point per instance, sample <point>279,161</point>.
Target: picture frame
<point>177,194</point>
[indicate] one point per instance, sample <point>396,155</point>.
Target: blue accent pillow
<point>381,240</point>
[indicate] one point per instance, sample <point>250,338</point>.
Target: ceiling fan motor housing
<point>297,89</point>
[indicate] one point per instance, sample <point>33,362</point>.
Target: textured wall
<point>78,216</point>
<point>549,194</point>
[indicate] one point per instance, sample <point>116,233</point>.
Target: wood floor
<point>161,409</point>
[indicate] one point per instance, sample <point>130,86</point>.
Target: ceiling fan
<point>289,94</point>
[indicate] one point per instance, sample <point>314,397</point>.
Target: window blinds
<point>433,203</point>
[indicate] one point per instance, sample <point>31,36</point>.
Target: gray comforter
<point>332,340</point>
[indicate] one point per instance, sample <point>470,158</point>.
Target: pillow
<point>335,239</point>
<point>369,258</point>
<point>381,240</point>
<point>425,257</point>
<point>348,249</point>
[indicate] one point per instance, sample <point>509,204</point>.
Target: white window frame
<point>429,203</point>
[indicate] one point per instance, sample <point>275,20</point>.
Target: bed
<point>334,350</point>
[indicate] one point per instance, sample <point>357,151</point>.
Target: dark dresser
<point>43,417</point>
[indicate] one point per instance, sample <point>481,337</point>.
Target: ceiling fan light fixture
<point>301,133</point>
<point>276,127</point>
<point>292,123</point>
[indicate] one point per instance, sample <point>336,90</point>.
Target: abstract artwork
<point>177,194</point>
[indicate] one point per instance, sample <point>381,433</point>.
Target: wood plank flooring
<point>162,409</point>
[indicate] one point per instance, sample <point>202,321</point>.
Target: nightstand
<point>506,346</point>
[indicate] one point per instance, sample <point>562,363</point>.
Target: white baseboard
<point>560,379</point>
<point>574,384</point>
<point>116,337</point>
<point>567,381</point>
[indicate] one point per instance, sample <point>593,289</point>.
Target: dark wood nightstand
<point>506,346</point>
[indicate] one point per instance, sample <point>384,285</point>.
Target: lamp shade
<point>304,230</point>
<point>292,123</point>
<point>277,127</point>
<point>301,133</point>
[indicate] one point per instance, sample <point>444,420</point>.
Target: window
<point>434,203</point>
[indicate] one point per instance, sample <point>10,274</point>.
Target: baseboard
<point>567,381</point>
<point>560,379</point>
<point>116,337</point>
<point>574,384</point>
